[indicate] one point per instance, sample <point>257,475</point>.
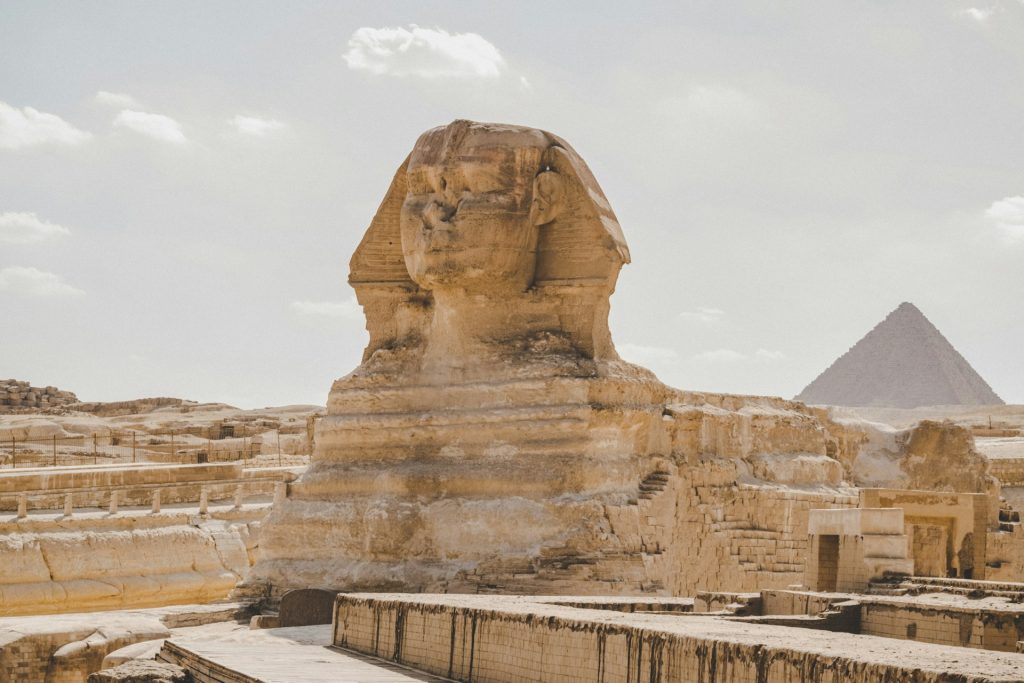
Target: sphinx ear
<point>548,197</point>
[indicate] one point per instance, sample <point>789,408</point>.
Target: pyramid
<point>904,362</point>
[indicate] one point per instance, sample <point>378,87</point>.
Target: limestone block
<point>141,671</point>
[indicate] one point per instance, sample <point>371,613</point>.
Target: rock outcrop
<point>142,671</point>
<point>904,362</point>
<point>18,397</point>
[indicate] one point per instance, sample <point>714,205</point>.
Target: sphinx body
<point>492,439</point>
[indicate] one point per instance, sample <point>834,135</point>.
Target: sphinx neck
<point>466,328</point>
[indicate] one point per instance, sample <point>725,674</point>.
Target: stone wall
<point>1009,471</point>
<point>18,396</point>
<point>91,486</point>
<point>99,561</point>
<point>714,533</point>
<point>500,639</point>
<point>945,625</point>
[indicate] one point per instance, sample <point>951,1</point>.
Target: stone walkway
<point>282,655</point>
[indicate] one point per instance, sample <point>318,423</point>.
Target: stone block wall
<point>946,625</point>
<point>506,639</point>
<point>1009,471</point>
<point>18,396</point>
<point>101,561</point>
<point>741,537</point>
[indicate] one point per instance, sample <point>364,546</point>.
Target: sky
<point>183,183</point>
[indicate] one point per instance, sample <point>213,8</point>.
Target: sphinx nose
<point>438,213</point>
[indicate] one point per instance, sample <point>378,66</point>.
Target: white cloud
<point>251,125</point>
<point>977,14</point>
<point>34,282</point>
<point>23,227</point>
<point>348,310</point>
<point>116,99</point>
<point>646,354</point>
<point>156,126</point>
<point>768,355</point>
<point>703,315</point>
<point>1008,216</point>
<point>423,52</point>
<point>26,127</point>
<point>719,356</point>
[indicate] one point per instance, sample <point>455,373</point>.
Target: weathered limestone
<point>492,439</point>
<point>66,648</point>
<point>946,532</point>
<point>929,455</point>
<point>142,672</point>
<point>849,548</point>
<point>95,561</point>
<point>91,486</point>
<point>511,638</point>
<point>18,397</point>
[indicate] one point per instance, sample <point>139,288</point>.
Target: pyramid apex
<point>908,307</point>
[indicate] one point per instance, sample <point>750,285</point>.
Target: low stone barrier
<point>512,638</point>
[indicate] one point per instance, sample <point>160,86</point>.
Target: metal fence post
<point>54,450</point>
<point>95,455</point>
<point>133,446</point>
<point>278,446</point>
<point>172,446</point>
<point>14,453</point>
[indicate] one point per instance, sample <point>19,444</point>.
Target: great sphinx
<point>492,439</point>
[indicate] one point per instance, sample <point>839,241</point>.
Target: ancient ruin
<point>493,439</point>
<point>904,362</point>
<point>18,396</point>
<point>494,494</point>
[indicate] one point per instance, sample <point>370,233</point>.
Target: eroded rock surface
<point>142,671</point>
<point>492,439</point>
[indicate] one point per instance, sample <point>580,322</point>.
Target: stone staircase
<point>653,484</point>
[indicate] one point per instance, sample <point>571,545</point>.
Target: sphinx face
<point>466,221</point>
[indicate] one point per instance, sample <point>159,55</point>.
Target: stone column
<point>69,506</point>
<point>113,502</point>
<point>156,501</point>
<point>204,501</point>
<point>22,506</point>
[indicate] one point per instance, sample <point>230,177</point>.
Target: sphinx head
<point>476,197</point>
<point>490,209</point>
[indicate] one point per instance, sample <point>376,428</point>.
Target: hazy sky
<point>182,183</point>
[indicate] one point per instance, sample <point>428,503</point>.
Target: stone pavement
<point>282,655</point>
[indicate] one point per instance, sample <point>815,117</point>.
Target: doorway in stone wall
<point>828,562</point>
